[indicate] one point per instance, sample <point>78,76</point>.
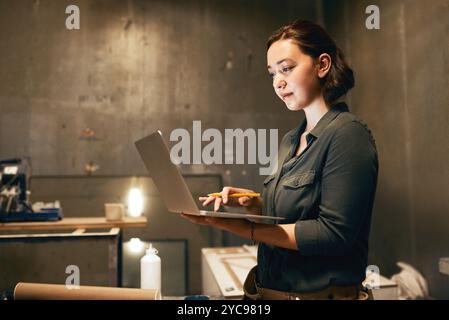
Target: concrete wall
<point>132,68</point>
<point>402,93</point>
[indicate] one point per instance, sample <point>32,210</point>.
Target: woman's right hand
<point>252,204</point>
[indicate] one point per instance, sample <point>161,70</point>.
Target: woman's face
<point>294,74</point>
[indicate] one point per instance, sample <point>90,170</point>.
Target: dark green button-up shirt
<point>328,193</point>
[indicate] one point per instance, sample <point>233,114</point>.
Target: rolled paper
<point>43,291</point>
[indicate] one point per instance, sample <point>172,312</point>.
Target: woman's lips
<point>285,96</point>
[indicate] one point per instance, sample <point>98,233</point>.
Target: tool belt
<point>254,292</point>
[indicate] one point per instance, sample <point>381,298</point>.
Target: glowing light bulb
<point>136,245</point>
<point>135,202</point>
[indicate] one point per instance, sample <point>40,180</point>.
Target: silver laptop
<point>171,184</point>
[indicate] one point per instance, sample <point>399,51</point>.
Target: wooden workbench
<point>76,223</point>
<point>40,232</point>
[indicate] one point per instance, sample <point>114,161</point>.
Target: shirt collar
<point>325,120</point>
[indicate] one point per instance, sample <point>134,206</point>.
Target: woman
<point>325,183</point>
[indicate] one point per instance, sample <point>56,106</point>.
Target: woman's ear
<point>324,65</point>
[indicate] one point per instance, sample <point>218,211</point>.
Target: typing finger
<point>217,203</point>
<point>208,200</point>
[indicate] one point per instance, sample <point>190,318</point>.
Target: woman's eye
<point>286,69</point>
<point>271,75</point>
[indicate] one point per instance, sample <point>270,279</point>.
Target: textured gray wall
<point>132,68</point>
<point>402,93</point>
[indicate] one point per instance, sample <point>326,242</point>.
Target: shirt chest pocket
<point>296,195</point>
<point>300,180</point>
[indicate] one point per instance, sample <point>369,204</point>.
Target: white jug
<point>150,270</point>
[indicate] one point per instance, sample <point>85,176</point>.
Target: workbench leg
<point>115,261</point>
<point>112,262</point>
<point>119,258</point>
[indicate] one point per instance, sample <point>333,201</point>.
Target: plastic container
<point>150,270</point>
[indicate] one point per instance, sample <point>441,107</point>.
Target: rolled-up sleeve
<point>348,184</point>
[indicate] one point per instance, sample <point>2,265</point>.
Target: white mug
<point>114,211</point>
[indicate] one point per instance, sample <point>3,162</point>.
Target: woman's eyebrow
<point>279,62</point>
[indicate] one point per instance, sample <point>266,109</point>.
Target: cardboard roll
<point>41,291</point>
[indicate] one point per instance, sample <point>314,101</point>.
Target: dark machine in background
<point>14,202</point>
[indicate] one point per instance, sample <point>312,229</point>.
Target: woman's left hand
<point>231,225</point>
<point>207,221</point>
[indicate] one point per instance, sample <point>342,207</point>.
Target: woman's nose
<point>280,83</point>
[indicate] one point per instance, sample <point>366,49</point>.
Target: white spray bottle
<point>150,269</point>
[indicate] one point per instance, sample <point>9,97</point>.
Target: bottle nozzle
<point>151,249</point>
